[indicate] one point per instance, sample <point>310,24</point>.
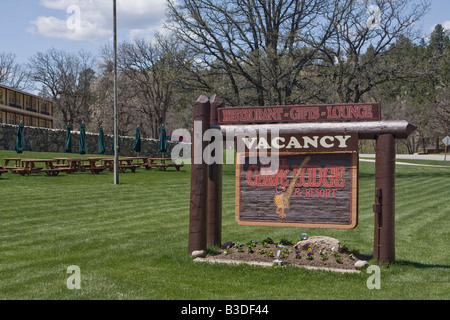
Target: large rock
<point>320,243</point>
<point>361,264</point>
<point>199,253</point>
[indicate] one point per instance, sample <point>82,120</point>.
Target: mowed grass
<point>130,240</point>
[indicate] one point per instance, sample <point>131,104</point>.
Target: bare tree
<point>358,55</point>
<point>154,74</point>
<point>12,74</point>
<point>128,100</point>
<point>67,78</point>
<point>259,45</point>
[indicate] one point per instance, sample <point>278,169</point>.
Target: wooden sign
<point>311,190</point>
<point>305,113</point>
<point>298,142</point>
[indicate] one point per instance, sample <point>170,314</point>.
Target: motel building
<point>18,106</point>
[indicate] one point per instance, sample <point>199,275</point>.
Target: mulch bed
<point>266,254</point>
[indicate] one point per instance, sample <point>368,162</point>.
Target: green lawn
<point>130,240</point>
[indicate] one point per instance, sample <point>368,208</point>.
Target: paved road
<point>437,157</point>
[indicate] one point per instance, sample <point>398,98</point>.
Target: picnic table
<point>140,161</point>
<point>17,163</point>
<point>29,166</point>
<point>73,164</point>
<point>93,166</point>
<point>163,163</point>
<point>124,164</point>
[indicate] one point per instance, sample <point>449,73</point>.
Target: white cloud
<point>446,25</point>
<point>91,20</point>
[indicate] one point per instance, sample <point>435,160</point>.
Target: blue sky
<point>29,26</point>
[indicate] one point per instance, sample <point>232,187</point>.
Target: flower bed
<point>283,253</point>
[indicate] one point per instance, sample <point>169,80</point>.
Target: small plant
<point>252,243</point>
<point>239,247</point>
<point>228,251</point>
<point>268,240</point>
<point>261,251</point>
<point>269,254</point>
<point>323,255</point>
<point>250,249</point>
<point>310,254</point>
<point>337,257</point>
<point>286,252</point>
<point>285,242</point>
<point>297,254</point>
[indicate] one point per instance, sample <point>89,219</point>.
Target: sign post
<point>214,216</point>
<point>446,142</point>
<point>199,178</point>
<point>384,207</point>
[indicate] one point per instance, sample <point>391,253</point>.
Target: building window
<point>27,103</point>
<point>46,108</point>
<point>2,95</point>
<point>27,121</point>
<point>34,105</point>
<point>11,118</point>
<point>19,100</point>
<point>11,98</point>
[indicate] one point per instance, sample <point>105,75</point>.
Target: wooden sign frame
<point>265,214</point>
<point>205,209</point>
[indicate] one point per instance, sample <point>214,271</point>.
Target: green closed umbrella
<point>101,141</point>
<point>137,141</point>
<point>20,140</point>
<point>82,148</point>
<point>162,145</point>
<point>68,146</point>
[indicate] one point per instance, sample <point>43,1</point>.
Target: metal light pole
<point>116,122</point>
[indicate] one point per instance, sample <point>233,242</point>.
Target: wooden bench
<point>178,166</point>
<point>23,170</point>
<point>164,166</point>
<point>17,170</point>
<point>57,170</point>
<point>147,165</point>
<point>3,170</point>
<point>132,167</point>
<point>161,164</point>
<point>95,170</point>
<point>17,163</point>
<point>93,167</point>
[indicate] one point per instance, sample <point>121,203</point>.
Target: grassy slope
<point>130,240</point>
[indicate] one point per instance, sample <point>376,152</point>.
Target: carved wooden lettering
<point>306,113</point>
